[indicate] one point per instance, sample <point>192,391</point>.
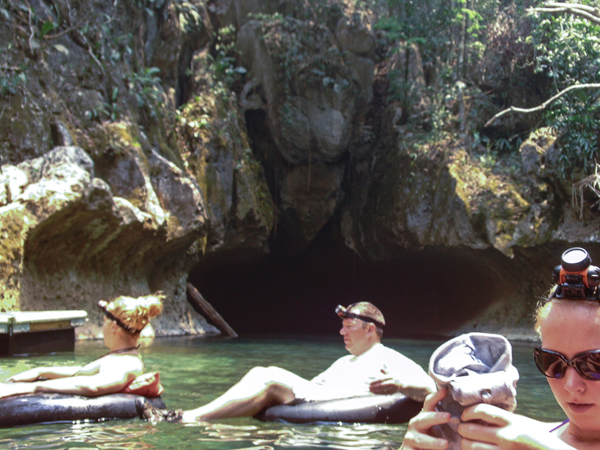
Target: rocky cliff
<point>146,138</point>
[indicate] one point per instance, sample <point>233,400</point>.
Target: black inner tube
<point>31,409</point>
<point>395,408</point>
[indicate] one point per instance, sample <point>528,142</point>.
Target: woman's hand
<point>505,431</point>
<point>416,436</point>
<point>28,375</point>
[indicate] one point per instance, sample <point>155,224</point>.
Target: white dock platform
<point>27,332</point>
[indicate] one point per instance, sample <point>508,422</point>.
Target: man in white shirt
<point>370,368</point>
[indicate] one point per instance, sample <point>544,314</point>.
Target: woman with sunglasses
<point>124,319</point>
<point>569,327</point>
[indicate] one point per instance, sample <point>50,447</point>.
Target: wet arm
<point>92,386</point>
<point>113,375</point>
<point>417,393</point>
<point>54,372</point>
<point>415,390</point>
<point>45,372</point>
<point>410,380</point>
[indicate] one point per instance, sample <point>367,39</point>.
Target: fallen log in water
<point>209,311</point>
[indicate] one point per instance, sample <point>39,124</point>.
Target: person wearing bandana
<point>371,368</point>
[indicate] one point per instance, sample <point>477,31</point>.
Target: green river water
<point>194,370</point>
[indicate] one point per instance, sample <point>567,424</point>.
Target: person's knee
<point>265,380</point>
<point>259,376</point>
<point>265,374</point>
<point>256,371</point>
<point>269,376</point>
<point>277,392</point>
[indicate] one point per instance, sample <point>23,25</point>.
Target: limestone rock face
<point>313,84</point>
<point>218,154</point>
<point>98,196</point>
<point>309,109</point>
<point>309,196</point>
<point>158,137</point>
<point>448,200</point>
<point>73,242</point>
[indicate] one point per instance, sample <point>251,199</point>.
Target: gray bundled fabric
<point>475,368</point>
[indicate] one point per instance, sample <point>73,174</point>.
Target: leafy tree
<point>566,40</point>
<point>450,33</point>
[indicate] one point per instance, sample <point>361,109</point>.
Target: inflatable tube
<point>44,408</point>
<point>395,408</point>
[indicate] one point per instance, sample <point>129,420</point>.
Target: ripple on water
<point>106,435</point>
<point>342,436</point>
<point>195,371</point>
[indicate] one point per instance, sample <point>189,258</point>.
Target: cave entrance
<point>426,293</point>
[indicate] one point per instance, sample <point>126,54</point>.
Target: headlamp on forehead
<point>343,313</point>
<point>576,277</point>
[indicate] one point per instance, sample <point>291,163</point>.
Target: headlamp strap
<point>345,314</point>
<point>118,321</point>
<point>365,319</point>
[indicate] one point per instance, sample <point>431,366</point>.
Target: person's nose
<point>343,331</point>
<point>573,381</point>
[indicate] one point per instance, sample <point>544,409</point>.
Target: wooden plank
<point>43,316</point>
<point>38,342</point>
<point>41,326</point>
<point>210,312</point>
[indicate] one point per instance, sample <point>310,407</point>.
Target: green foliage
<point>120,46</point>
<point>451,39</point>
<point>147,89</point>
<point>568,52</point>
<point>111,108</point>
<point>47,27</point>
<point>190,18</point>
<point>10,79</point>
<point>223,58</point>
<point>439,27</point>
<point>497,147</point>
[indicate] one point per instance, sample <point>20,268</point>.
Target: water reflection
<point>138,435</point>
<point>194,371</point>
<point>106,435</point>
<point>342,436</point>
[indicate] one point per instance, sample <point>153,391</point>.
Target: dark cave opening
<point>294,290</point>
<point>421,294</point>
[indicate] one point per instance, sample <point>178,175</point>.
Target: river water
<point>194,370</point>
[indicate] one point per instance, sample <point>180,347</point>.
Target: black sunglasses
<point>554,364</point>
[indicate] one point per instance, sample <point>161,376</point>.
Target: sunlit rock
<point>68,242</point>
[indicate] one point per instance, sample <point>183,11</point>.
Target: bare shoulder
<point>122,363</point>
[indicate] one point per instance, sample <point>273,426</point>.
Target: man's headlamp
<point>343,313</point>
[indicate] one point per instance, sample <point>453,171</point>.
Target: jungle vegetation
<point>495,54</point>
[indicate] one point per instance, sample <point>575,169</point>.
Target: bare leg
<point>260,387</point>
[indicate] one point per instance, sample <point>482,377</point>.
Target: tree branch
<point>587,12</point>
<point>543,105</point>
<point>63,32</point>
